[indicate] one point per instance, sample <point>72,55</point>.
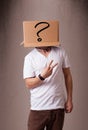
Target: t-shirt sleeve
<point>28,70</point>
<point>66,62</point>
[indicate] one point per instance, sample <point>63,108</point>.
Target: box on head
<point>40,33</point>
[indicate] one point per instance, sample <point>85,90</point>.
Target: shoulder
<point>30,54</point>
<point>59,49</point>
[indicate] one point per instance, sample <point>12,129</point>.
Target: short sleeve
<point>28,70</point>
<point>65,63</point>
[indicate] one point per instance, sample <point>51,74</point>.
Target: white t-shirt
<point>50,94</point>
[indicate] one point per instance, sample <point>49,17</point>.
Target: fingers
<point>68,107</point>
<point>68,110</point>
<point>52,66</point>
<point>50,63</point>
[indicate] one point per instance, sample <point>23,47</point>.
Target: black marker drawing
<point>48,25</point>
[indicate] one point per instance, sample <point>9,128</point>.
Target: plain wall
<point>14,97</point>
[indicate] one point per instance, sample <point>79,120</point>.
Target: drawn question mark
<point>39,38</point>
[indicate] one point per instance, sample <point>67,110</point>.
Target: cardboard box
<point>40,33</point>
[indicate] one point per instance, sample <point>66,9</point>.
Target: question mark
<point>40,39</point>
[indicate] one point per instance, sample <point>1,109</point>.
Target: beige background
<point>14,97</point>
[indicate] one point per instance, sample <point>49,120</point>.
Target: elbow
<point>32,82</point>
<point>29,84</point>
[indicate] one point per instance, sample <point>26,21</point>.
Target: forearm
<point>36,81</point>
<point>33,82</point>
<point>69,87</point>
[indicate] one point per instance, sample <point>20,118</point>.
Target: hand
<point>48,70</point>
<point>68,106</point>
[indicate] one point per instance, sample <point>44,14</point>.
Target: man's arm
<point>35,81</point>
<point>69,87</point>
<point>32,82</point>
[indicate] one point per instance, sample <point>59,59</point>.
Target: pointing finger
<point>50,63</point>
<point>54,65</point>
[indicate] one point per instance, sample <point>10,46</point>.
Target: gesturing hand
<point>47,71</point>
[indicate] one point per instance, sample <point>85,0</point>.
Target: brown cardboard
<point>40,33</point>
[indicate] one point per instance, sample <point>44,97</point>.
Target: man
<point>43,71</point>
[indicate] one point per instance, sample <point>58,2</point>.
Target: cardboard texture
<point>40,33</point>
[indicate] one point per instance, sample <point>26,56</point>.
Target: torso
<point>50,94</point>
